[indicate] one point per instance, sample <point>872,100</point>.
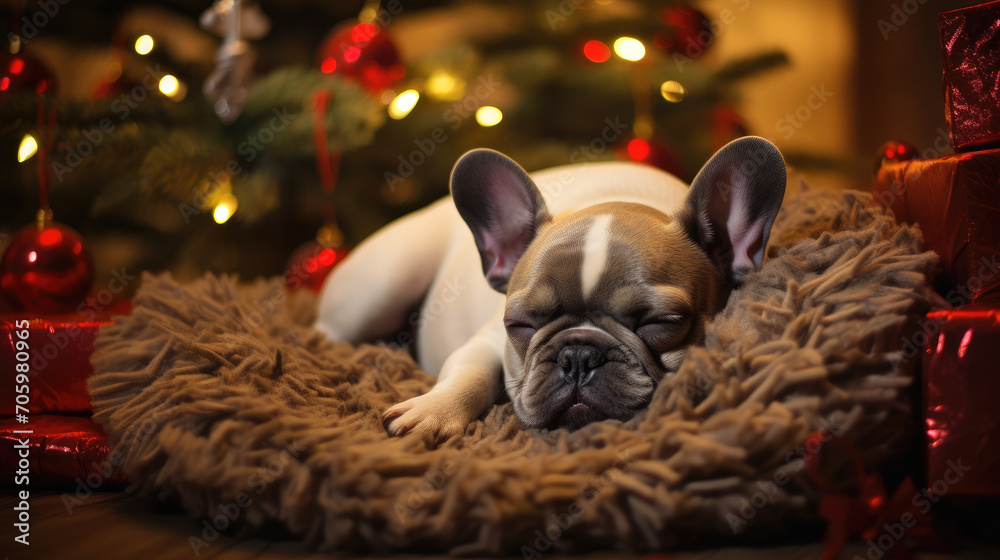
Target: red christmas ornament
<point>894,150</point>
<point>23,73</point>
<point>362,52</point>
<point>651,151</point>
<point>114,83</point>
<point>688,33</point>
<point>46,269</point>
<point>727,125</point>
<point>310,264</point>
<point>114,88</point>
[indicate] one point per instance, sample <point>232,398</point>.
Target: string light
<point>596,51</point>
<point>403,104</point>
<point>444,85</point>
<point>144,44</point>
<point>369,12</point>
<point>28,148</point>
<point>169,85</point>
<point>672,91</point>
<point>363,32</point>
<point>630,49</point>
<point>225,208</point>
<point>488,115</point>
<point>638,149</point>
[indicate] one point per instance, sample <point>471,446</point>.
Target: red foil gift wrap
<point>956,201</point>
<point>59,349</point>
<point>970,45</point>
<point>960,392</point>
<point>62,452</point>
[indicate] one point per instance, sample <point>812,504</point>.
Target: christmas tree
<point>226,146</point>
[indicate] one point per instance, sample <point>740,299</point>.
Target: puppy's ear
<point>501,205</point>
<point>733,202</point>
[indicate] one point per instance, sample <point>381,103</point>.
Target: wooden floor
<point>115,525</point>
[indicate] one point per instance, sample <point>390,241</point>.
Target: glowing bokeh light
<point>403,104</point>
<point>444,85</point>
<point>638,149</point>
<point>488,115</point>
<point>596,51</point>
<point>630,49</point>
<point>144,44</point>
<point>169,85</point>
<point>28,148</point>
<point>224,209</point>
<point>672,91</point>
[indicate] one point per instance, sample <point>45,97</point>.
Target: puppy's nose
<point>579,362</point>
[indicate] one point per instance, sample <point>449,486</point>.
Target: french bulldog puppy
<point>575,289</point>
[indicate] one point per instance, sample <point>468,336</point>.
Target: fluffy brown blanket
<point>222,398</point>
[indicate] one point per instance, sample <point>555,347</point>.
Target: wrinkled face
<point>600,308</point>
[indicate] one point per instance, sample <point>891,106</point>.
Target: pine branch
<point>148,106</point>
<point>181,163</point>
<point>279,113</point>
<point>750,66</point>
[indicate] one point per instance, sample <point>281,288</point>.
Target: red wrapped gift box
<point>59,348</point>
<point>960,391</point>
<point>61,451</point>
<point>970,45</point>
<point>956,201</point>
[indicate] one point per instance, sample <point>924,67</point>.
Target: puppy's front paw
<point>436,415</point>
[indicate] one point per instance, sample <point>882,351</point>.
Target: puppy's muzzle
<point>579,362</point>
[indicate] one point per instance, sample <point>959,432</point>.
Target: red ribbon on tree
<point>327,162</point>
<point>882,521</point>
<point>43,150</point>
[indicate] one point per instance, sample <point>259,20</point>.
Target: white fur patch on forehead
<point>595,253</point>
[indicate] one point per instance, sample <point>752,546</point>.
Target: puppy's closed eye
<point>519,329</point>
<point>662,332</point>
<point>519,333</point>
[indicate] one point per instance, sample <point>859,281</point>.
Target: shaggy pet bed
<point>220,397</point>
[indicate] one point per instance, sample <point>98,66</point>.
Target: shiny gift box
<point>65,452</point>
<point>956,202</point>
<point>59,349</point>
<point>961,416</point>
<point>970,46</point>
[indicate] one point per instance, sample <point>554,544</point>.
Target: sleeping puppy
<point>610,271</point>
